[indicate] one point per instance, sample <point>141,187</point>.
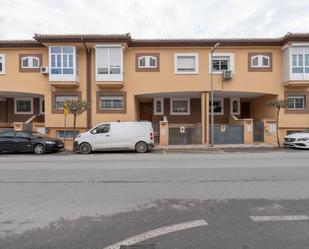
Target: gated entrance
<point>228,134</point>
<point>178,135</point>
<point>258,132</point>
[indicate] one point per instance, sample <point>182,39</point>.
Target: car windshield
<point>38,135</point>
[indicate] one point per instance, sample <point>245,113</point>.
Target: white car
<point>138,136</point>
<point>297,140</point>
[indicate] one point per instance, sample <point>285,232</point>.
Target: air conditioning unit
<point>227,74</point>
<point>44,70</point>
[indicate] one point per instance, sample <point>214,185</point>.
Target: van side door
<point>101,137</point>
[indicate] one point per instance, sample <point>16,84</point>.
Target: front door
<point>101,137</point>
<point>146,111</point>
<point>245,110</point>
<point>7,142</point>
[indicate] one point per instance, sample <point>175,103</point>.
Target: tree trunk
<point>74,128</point>
<point>277,127</point>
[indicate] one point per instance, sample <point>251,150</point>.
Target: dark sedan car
<point>28,141</point>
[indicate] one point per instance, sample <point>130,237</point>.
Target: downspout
<point>88,84</point>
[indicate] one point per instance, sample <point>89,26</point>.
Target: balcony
<point>110,84</point>
<point>64,84</point>
<point>296,84</point>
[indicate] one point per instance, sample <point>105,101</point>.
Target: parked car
<point>28,141</point>
<point>297,140</point>
<point>138,136</point>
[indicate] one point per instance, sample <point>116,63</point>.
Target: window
<point>7,134</point>
<point>235,106</point>
<point>30,62</point>
<point>112,103</point>
<point>23,134</point>
<point>300,63</point>
<point>260,61</point>
<point>23,105</point>
<point>103,128</point>
<point>180,106</point>
<point>158,106</point>
<point>2,64</point>
<point>147,62</point>
<point>186,63</point>
<point>221,62</point>
<point>109,66</point>
<point>296,102</point>
<point>62,63</point>
<point>42,106</point>
<point>66,134</point>
<point>61,99</point>
<point>218,107</point>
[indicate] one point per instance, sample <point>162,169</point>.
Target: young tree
<point>76,107</point>
<point>277,104</point>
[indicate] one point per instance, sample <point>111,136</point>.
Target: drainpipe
<point>88,84</point>
<point>212,94</point>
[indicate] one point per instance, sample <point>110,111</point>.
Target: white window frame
<point>55,104</point>
<point>195,55</point>
<point>23,99</point>
<point>3,63</point>
<point>179,99</point>
<point>231,106</point>
<point>222,105</point>
<point>162,106</point>
<point>109,77</point>
<point>41,102</point>
<point>260,58</point>
<point>62,77</point>
<point>297,97</point>
<point>31,58</point>
<point>231,62</point>
<point>147,61</point>
<point>112,97</point>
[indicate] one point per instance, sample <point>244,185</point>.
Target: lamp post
<point>212,50</point>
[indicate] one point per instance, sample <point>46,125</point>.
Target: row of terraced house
<point>165,81</point>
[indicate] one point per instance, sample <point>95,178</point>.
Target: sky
<point>20,19</point>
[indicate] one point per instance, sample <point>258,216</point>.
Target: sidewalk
<point>217,148</point>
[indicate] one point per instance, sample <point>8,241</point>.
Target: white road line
<point>158,232</point>
<point>279,218</point>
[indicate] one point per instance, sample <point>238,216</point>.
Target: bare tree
<point>76,107</point>
<point>277,104</point>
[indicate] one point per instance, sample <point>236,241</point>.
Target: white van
<point>137,136</point>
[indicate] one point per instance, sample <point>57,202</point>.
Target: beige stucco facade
<point>253,88</point>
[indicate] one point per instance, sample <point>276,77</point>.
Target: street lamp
<point>212,50</point>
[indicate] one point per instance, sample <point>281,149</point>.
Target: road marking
<point>157,232</point>
<point>279,218</point>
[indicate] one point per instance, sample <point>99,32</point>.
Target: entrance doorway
<point>245,110</point>
<point>146,111</point>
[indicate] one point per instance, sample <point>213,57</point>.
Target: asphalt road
<point>219,200</point>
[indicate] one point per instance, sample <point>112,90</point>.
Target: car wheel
<point>39,149</point>
<point>141,147</point>
<point>85,148</point>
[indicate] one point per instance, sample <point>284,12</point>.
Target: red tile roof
<point>39,39</point>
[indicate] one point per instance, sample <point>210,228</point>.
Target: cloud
<point>154,18</point>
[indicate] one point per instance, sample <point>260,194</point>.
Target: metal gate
<point>258,132</point>
<point>228,134</point>
<point>189,136</point>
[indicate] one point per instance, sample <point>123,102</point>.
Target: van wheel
<point>39,149</point>
<point>141,147</point>
<point>85,148</point>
